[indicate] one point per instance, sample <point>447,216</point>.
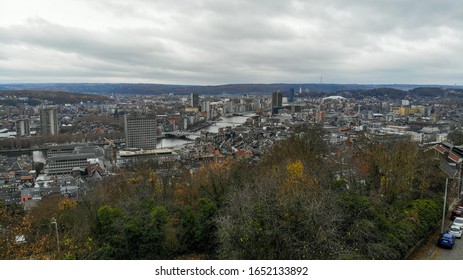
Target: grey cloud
<point>200,42</point>
<point>117,45</point>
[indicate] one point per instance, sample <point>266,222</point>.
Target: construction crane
<point>113,149</point>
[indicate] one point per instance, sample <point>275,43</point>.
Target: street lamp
<point>445,202</point>
<point>451,174</point>
<point>53,221</point>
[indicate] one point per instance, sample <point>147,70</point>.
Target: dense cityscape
<point>103,136</point>
<point>230,138</point>
<point>56,153</point>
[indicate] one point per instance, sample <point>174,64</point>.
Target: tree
<point>110,233</point>
<point>21,239</point>
<point>153,235</point>
<point>283,215</point>
<point>456,137</point>
<point>187,233</point>
<point>213,182</point>
<point>207,226</point>
<point>390,167</point>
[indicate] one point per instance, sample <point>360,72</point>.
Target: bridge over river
<point>182,134</point>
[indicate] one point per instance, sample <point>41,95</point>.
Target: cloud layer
<point>217,42</point>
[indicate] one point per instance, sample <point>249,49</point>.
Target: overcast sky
<point>231,41</point>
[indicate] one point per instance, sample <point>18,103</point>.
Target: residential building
<point>194,102</point>
<point>49,121</point>
<point>277,99</point>
<point>23,127</point>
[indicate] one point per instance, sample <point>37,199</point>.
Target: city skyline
<point>226,42</point>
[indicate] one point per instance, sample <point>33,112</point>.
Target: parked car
<point>456,213</point>
<point>446,240</point>
<point>458,222</point>
<point>455,231</point>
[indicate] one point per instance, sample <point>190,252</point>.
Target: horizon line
<point>225,84</point>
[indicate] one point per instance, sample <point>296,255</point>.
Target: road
<point>430,251</point>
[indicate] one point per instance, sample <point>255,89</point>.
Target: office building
<point>140,131</point>
<point>49,121</point>
<point>291,95</point>
<point>66,163</point>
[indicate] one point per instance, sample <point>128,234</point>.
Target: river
<point>164,143</point>
<point>175,142</point>
<point>228,121</point>
<point>214,128</point>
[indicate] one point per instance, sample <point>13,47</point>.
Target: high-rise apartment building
<point>206,107</point>
<point>23,128</point>
<point>49,121</point>
<point>140,131</point>
<point>277,99</point>
<point>194,102</point>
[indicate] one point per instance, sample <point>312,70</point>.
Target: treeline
<point>398,94</point>
<point>156,89</point>
<point>374,199</point>
<point>75,93</point>
<point>36,97</point>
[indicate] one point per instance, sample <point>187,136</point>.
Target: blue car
<point>446,240</point>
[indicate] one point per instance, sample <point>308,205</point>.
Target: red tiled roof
<point>241,153</point>
<point>454,157</point>
<point>91,169</point>
<point>440,149</point>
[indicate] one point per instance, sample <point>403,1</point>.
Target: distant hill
<point>147,89</point>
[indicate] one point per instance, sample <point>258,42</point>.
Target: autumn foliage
<point>305,199</point>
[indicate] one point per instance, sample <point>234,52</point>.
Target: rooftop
<point>145,152</point>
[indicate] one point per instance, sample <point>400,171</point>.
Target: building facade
<point>277,99</point>
<point>140,132</point>
<point>23,128</point>
<point>65,164</point>
<point>291,95</point>
<point>49,121</point>
<point>194,102</point>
